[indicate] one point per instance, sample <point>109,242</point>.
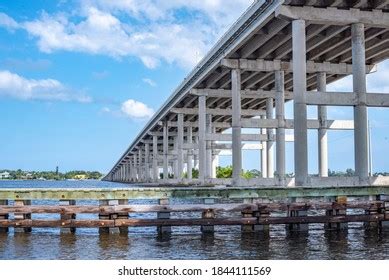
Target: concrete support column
<point>270,137</point>
<point>3,216</point>
<point>147,162</point>
<point>165,152</point>
<point>360,111</point>
<point>164,216</point>
<point>180,147</point>
<point>236,126</point>
<point>264,153</point>
<point>190,153</point>
<point>202,138</point>
<point>24,216</point>
<point>208,173</point>
<point>215,164</point>
<point>141,166</point>
<point>175,159</point>
<point>67,217</point>
<point>136,169</point>
<point>300,106</point>
<point>155,159</point>
<point>322,134</point>
<point>280,137</point>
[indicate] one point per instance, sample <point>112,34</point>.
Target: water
<point>187,243</point>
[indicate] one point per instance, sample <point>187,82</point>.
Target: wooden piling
<point>67,217</point>
<point>20,217</point>
<point>208,215</point>
<point>110,228</point>
<point>164,215</point>
<point>3,216</point>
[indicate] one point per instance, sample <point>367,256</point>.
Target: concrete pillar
<point>66,217</point>
<point>165,152</point>
<point>264,153</point>
<point>360,111</point>
<point>280,114</point>
<point>195,156</point>
<point>24,216</point>
<point>3,216</point>
<point>236,126</point>
<point>180,147</point>
<point>208,173</point>
<point>147,162</point>
<point>155,159</point>
<point>202,138</point>
<point>208,214</point>
<point>175,160</point>
<point>300,106</point>
<point>190,153</point>
<point>215,163</point>
<point>141,166</point>
<point>164,216</point>
<point>322,134</point>
<point>136,169</point>
<point>270,141</point>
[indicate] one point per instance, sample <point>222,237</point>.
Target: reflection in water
<point>317,244</point>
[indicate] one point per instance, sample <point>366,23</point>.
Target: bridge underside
<point>277,52</point>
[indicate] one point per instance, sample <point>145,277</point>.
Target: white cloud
<point>150,82</point>
<point>13,85</point>
<point>8,22</point>
<point>154,31</point>
<point>136,110</point>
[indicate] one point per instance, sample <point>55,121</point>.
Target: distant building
<point>80,177</point>
<point>4,175</point>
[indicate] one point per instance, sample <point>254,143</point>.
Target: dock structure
<point>278,51</point>
<point>114,211</point>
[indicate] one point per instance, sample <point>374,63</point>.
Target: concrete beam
<point>244,137</point>
<point>251,94</point>
<point>261,65</point>
<point>216,112</point>
<point>334,16</point>
<point>289,124</point>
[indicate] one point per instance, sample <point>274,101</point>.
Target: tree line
<point>52,175</point>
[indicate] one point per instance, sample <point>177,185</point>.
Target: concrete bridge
<point>278,51</point>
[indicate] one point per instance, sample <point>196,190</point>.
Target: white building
<point>4,175</point>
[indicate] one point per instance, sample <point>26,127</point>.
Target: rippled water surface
<point>187,243</point>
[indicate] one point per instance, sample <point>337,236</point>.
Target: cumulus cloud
<point>151,30</point>
<point>136,110</point>
<point>8,22</point>
<point>150,82</point>
<point>15,86</point>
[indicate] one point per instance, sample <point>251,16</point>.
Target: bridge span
<point>278,51</point>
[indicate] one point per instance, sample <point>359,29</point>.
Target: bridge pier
<point>3,217</point>
<point>165,151</point>
<point>67,217</point>
<point>322,133</point>
<point>360,110</point>
<point>202,138</point>
<point>280,133</point>
<point>236,126</point>
<point>300,106</point>
<point>270,139</point>
<point>264,153</point>
<point>189,168</point>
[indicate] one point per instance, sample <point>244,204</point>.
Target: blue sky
<point>79,79</point>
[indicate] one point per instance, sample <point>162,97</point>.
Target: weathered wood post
<point>301,227</point>
<point>67,217</point>
<point>341,200</point>
<point>123,216</point>
<point>248,214</point>
<point>208,214</point>
<point>385,224</point>
<point>22,216</point>
<point>164,215</point>
<point>106,216</point>
<point>3,216</point>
